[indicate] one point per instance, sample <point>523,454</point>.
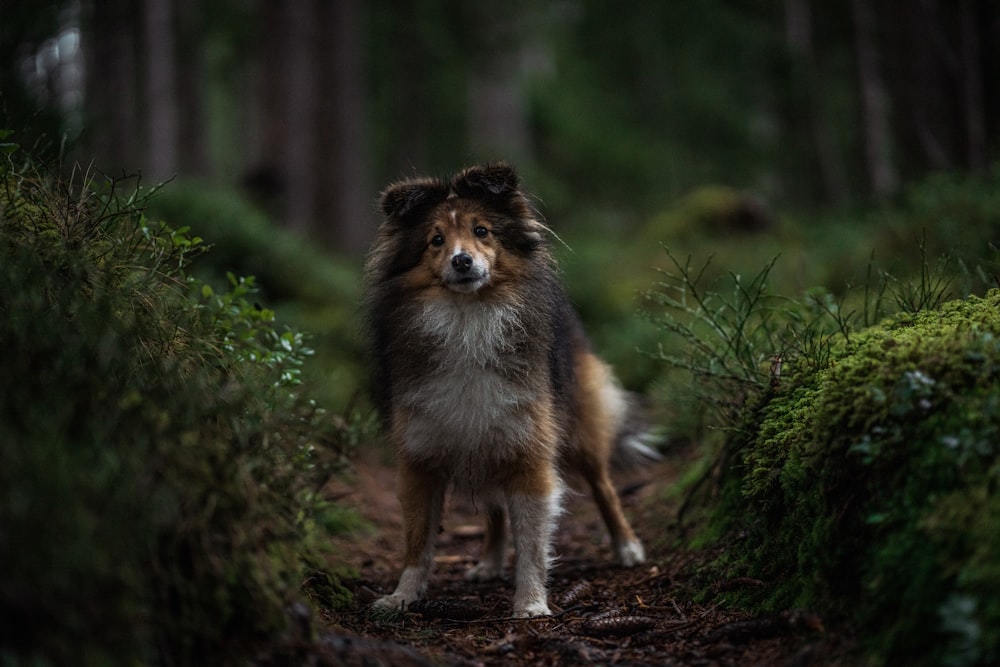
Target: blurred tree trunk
<point>498,118</point>
<point>933,92</point>
<point>971,73</point>
<point>876,137</point>
<point>299,164</point>
<point>921,87</point>
<point>109,45</point>
<point>265,179</point>
<point>343,216</point>
<point>407,81</point>
<point>311,163</point>
<point>160,90</point>
<point>192,146</point>
<point>940,59</point>
<point>807,124</point>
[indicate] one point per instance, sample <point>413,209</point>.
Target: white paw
<point>631,553</point>
<point>537,608</point>
<point>484,571</point>
<point>396,601</point>
<point>412,583</point>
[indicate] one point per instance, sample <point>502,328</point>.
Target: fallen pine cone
<point>616,626</point>
<point>574,594</point>
<point>606,614</point>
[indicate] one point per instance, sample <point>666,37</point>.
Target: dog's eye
<point>437,240</point>
<point>481,231</point>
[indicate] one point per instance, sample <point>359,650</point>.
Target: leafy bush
<point>310,288</point>
<point>160,468</point>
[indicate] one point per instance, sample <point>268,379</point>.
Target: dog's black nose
<point>461,262</point>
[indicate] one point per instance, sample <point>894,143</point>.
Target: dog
<point>485,381</point>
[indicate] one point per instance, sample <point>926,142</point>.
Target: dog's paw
<point>395,602</point>
<point>631,553</point>
<point>531,609</point>
<point>484,571</point>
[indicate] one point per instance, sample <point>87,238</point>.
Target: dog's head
<point>473,231</point>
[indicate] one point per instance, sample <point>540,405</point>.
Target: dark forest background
<point>617,108</point>
<point>778,222</point>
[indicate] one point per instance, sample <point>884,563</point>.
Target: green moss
<point>872,485</point>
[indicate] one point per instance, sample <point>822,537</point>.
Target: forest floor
<point>602,614</point>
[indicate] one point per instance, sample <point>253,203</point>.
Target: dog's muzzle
<point>462,262</point>
<point>465,275</point>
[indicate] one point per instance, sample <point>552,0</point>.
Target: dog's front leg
<point>532,519</point>
<point>421,495</point>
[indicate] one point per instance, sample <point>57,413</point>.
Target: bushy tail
<point>636,441</point>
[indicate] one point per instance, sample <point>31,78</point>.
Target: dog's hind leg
<point>627,547</point>
<point>422,498</point>
<point>602,408</point>
<point>490,565</point>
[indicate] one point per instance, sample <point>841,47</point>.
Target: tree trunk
<point>407,81</point>
<point>933,87</point>
<point>109,44</point>
<point>300,110</point>
<point>161,90</point>
<point>265,179</point>
<point>345,218</point>
<point>876,137</point>
<point>813,127</point>
<point>498,118</point>
<point>191,75</point>
<point>973,98</point>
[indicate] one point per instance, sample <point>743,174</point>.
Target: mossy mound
<point>870,489</point>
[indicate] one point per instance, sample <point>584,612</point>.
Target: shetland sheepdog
<point>484,378</point>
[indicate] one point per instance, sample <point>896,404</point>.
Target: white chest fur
<point>470,402</point>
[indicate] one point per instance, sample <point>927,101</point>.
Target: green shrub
<point>857,456</point>
<point>858,462</point>
<point>309,288</point>
<point>159,466</point>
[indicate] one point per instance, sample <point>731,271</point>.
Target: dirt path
<point>603,614</point>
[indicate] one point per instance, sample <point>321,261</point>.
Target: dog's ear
<point>406,200</point>
<point>497,180</point>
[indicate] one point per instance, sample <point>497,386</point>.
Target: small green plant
<point>736,339</point>
<point>734,344</point>
<point>930,288</point>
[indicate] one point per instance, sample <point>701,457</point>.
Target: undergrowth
<point>308,288</point>
<point>855,450</point>
<point>161,469</point>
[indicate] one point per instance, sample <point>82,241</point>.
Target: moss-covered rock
<point>870,488</point>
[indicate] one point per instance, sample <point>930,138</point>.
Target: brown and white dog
<point>485,380</point>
